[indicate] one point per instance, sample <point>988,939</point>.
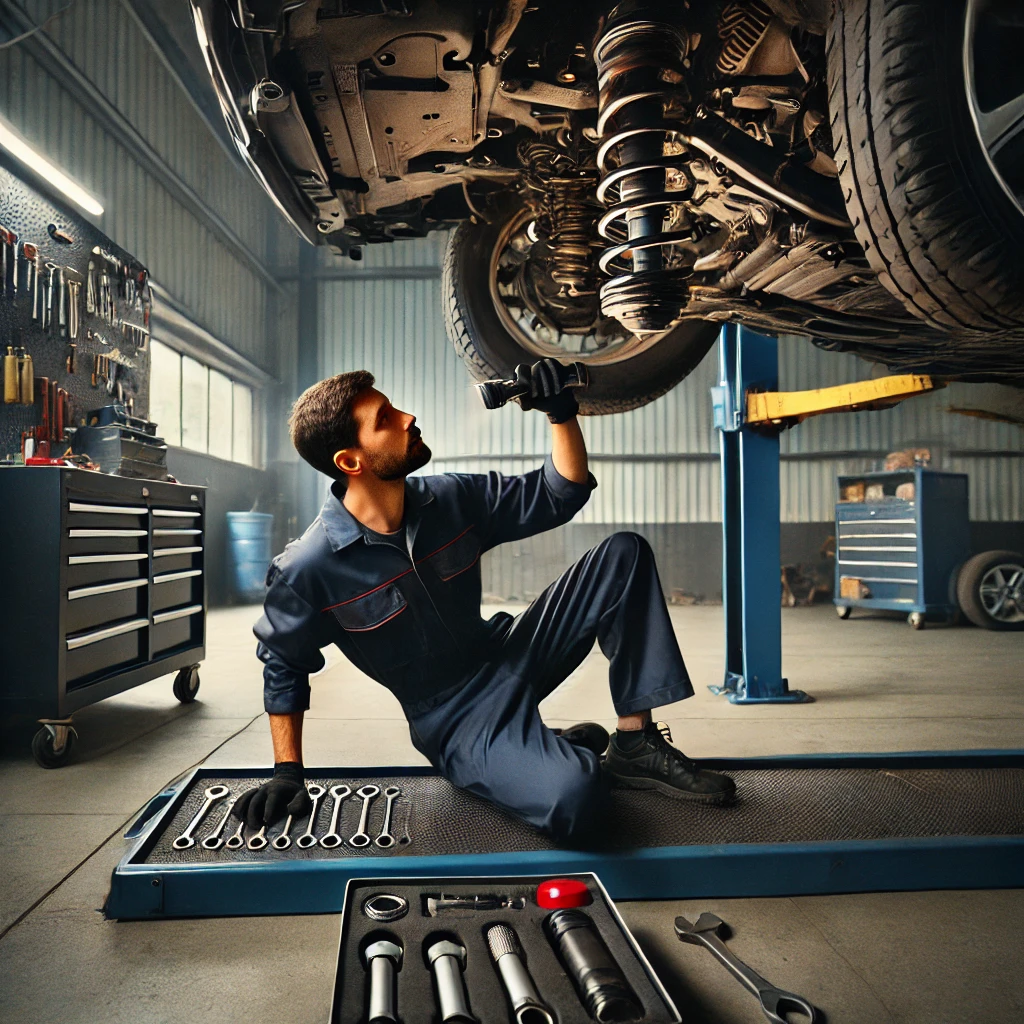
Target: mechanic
<point>389,572</point>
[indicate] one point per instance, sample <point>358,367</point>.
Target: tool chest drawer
<point>90,607</point>
<point>118,595</point>
<point>176,627</point>
<point>98,651</point>
<point>173,589</point>
<point>89,569</point>
<point>97,515</point>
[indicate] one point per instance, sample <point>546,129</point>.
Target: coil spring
<point>640,54</point>
<point>562,184</point>
<point>740,27</point>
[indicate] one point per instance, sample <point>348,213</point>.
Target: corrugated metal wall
<point>201,263</point>
<point>658,464</point>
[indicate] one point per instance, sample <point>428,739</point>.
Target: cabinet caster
<point>843,611</point>
<point>52,745</point>
<point>916,619</point>
<point>186,684</point>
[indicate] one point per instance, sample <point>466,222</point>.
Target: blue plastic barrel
<point>249,535</point>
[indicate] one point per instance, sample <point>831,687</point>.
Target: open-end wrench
<point>362,838</point>
<point>386,839</point>
<point>308,838</point>
<point>212,794</point>
<point>258,841</point>
<point>214,841</point>
<point>333,837</point>
<point>284,840</point>
<point>775,1002</point>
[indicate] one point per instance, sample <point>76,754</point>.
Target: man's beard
<point>396,467</point>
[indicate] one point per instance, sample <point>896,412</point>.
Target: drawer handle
<point>880,579</point>
<point>176,613</point>
<point>168,532</point>
<point>106,533</point>
<point>176,513</point>
<point>170,577</point>
<point>164,552</point>
<point>114,510</point>
<point>843,548</point>
<point>74,642</point>
<point>893,565</point>
<point>105,588</point>
<point>96,559</point>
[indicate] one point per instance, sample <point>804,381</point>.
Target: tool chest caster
<point>52,745</point>
<point>186,684</point>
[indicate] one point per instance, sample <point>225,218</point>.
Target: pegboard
<point>66,240</point>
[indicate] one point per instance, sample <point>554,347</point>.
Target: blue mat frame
<point>140,890</point>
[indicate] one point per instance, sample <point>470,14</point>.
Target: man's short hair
<point>322,423</point>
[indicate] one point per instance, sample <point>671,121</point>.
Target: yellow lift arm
<point>789,407</point>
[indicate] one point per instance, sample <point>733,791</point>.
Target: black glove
<point>547,392</point>
<point>284,794</point>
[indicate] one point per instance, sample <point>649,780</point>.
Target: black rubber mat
<point>775,805</point>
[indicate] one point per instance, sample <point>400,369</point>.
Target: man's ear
<point>348,462</point>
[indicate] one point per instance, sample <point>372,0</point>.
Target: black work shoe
<point>655,764</point>
<point>586,734</point>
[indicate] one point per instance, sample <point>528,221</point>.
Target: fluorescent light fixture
<point>21,150</point>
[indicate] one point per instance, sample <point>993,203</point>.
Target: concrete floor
<point>933,957</point>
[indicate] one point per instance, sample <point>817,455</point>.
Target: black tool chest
<point>106,585</point>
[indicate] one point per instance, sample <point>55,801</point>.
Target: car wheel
<point>990,590</point>
<point>501,308</point>
<point>927,108</point>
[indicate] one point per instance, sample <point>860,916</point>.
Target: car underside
<point>627,178</point>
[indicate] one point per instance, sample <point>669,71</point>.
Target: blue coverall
<point>470,687</point>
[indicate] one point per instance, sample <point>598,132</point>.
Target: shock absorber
<point>640,72</point>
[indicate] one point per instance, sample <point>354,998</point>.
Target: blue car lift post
<point>751,551</point>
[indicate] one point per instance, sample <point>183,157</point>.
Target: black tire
<point>489,351</point>
<point>843,611</point>
<point>45,755</point>
<point>933,219</point>
<point>186,684</point>
<point>969,583</point>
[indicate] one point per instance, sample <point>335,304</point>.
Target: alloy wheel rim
<point>1002,592</point>
<point>996,98</point>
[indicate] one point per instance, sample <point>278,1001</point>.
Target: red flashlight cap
<point>559,893</point>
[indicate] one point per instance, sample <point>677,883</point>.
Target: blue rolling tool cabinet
<point>900,542</point>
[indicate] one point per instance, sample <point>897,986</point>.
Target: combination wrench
<point>212,794</point>
<point>308,838</point>
<point>362,838</point>
<point>284,840</point>
<point>333,838</point>
<point>775,1002</point>
<point>386,840</point>
<point>258,841</point>
<point>214,841</point>
<point>236,840</point>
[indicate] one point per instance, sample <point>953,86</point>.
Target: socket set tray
<point>411,987</point>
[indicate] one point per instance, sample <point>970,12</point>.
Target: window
<point>165,392</point>
<point>200,408</point>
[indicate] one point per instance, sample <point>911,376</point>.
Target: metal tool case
<point>902,554</point>
<point>105,586</point>
<point>486,996</point>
